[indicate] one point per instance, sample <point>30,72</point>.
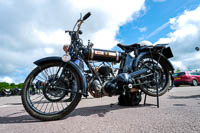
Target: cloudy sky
<point>33,29</point>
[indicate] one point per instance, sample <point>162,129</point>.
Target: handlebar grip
<point>67,31</point>
<point>86,16</point>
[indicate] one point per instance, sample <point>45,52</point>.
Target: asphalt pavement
<point>179,111</point>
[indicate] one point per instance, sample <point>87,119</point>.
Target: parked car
<point>186,78</point>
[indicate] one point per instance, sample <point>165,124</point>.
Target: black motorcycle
<point>55,87</point>
<point>10,92</point>
<point>5,92</point>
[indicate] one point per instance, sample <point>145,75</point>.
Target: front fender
<point>163,58</point>
<point>81,76</point>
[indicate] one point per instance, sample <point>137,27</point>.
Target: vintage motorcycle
<point>60,82</point>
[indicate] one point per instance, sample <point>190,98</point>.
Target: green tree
<point>10,86</point>
<point>20,85</point>
<point>4,85</point>
<point>178,70</point>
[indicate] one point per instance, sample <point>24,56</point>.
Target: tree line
<point>5,85</point>
<point>179,70</point>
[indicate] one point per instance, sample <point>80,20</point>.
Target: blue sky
<point>33,29</point>
<point>156,14</point>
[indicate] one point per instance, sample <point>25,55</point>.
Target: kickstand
<point>145,97</point>
<point>157,96</point>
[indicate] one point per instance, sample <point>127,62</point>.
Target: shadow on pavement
<point>100,111</point>
<point>179,105</point>
<point>9,119</point>
<point>14,104</point>
<point>184,97</point>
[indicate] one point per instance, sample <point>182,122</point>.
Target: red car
<point>186,78</point>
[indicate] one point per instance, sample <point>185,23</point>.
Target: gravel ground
<point>179,112</point>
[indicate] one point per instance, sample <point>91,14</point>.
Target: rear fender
<point>163,58</point>
<point>80,74</point>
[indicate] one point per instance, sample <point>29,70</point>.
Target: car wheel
<point>194,83</point>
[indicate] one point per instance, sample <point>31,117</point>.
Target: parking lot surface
<point>179,111</point>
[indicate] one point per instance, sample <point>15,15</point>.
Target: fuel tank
<point>102,55</point>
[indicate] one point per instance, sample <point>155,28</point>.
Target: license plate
<point>167,52</point>
<point>177,78</point>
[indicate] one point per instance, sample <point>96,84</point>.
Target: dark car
<point>186,78</point>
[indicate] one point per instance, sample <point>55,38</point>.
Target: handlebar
<point>81,21</point>
<point>86,16</point>
<point>78,25</point>
<point>73,47</point>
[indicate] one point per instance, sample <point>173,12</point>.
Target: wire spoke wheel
<point>157,76</point>
<point>51,91</point>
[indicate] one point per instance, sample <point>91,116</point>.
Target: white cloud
<point>142,29</point>
<point>49,50</point>
<point>163,41</point>
<point>184,39</point>
<point>107,18</point>
<point>34,29</point>
<point>6,79</point>
<point>52,38</point>
<point>179,64</point>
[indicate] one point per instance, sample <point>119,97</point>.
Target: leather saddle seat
<point>128,47</point>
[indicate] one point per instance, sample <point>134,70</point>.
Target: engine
<point>113,85</point>
<point>95,87</point>
<point>105,71</point>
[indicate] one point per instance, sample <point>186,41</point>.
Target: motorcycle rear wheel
<point>160,77</point>
<point>46,103</point>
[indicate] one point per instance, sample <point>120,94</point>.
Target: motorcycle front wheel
<point>50,91</point>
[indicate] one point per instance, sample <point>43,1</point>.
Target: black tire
<point>62,108</point>
<point>149,83</point>
<point>194,82</point>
